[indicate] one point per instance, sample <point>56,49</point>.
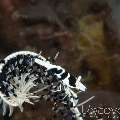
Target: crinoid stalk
<point>24,74</point>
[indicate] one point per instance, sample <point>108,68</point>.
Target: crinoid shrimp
<point>24,74</point>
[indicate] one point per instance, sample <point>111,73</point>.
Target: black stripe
<point>72,80</point>
<point>64,75</point>
<point>53,71</point>
<point>2,61</point>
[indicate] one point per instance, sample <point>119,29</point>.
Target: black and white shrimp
<point>68,81</point>
<point>23,71</point>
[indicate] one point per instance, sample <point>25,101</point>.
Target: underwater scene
<point>59,59</point>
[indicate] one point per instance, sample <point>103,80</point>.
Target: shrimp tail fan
<point>19,76</point>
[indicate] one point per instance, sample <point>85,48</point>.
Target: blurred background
<point>85,32</point>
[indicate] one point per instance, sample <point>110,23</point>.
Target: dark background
<point>85,32</point>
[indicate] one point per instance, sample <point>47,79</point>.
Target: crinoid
<point>24,74</point>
